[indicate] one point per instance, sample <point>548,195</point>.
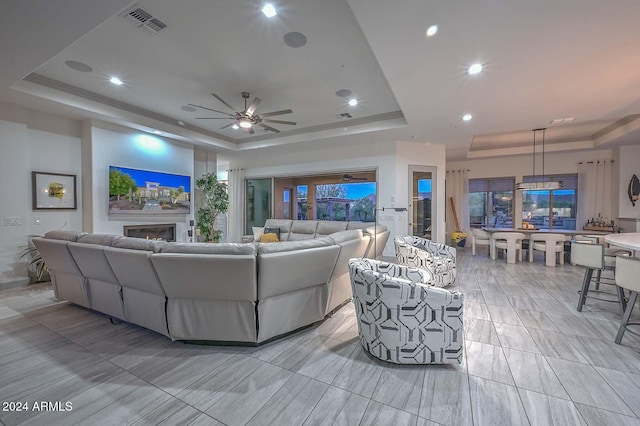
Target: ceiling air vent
<point>344,116</point>
<point>154,25</point>
<point>143,19</point>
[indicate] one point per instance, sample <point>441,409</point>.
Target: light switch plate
<point>12,221</point>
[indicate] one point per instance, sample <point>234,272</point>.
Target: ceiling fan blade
<point>253,106</point>
<point>250,130</point>
<point>273,113</point>
<point>228,125</point>
<point>292,123</point>
<point>214,118</point>
<point>211,109</point>
<point>273,129</point>
<point>223,102</point>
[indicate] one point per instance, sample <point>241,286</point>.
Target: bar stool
<point>551,244</point>
<point>627,277</point>
<point>509,241</point>
<point>593,258</point>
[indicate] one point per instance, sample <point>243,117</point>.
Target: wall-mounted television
<point>143,192</point>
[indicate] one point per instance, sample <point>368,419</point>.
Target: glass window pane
<point>564,209</point>
<point>346,201</point>
<point>535,208</point>
<point>302,206</point>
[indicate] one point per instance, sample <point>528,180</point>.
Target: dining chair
<point>551,244</point>
<point>479,237</point>
<point>509,241</point>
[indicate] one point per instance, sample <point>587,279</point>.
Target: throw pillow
<point>257,232</point>
<point>269,238</point>
<point>276,231</point>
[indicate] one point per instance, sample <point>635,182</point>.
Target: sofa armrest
<point>247,239</point>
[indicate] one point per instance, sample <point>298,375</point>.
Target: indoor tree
<point>215,200</point>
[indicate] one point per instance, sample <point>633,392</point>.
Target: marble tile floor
<point>530,358</point>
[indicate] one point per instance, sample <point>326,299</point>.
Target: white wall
<point>32,141</point>
<point>117,146</point>
<point>522,165</point>
<point>629,159</point>
<point>390,159</point>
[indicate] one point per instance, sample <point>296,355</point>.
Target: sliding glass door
<point>258,202</point>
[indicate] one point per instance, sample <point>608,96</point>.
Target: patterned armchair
<point>402,319</point>
<point>439,259</point>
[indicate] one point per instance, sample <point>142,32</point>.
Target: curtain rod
<point>461,170</point>
<point>233,170</point>
<point>595,161</point>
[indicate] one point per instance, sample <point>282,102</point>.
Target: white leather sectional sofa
<point>225,292</point>
<point>296,230</point>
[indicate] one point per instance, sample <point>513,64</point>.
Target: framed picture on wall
<point>53,191</point>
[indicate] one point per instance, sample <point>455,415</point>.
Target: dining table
<point>545,231</point>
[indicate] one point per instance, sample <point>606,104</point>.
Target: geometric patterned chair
<point>438,259</point>
<point>401,318</point>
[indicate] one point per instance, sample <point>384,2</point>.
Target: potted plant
<point>215,200</point>
<point>38,271</point>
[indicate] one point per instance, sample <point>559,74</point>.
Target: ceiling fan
<point>247,118</point>
<point>349,178</point>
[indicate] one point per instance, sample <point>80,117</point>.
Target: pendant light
<point>541,183</point>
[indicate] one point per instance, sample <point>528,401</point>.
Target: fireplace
<point>160,232</point>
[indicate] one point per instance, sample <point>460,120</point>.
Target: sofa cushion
<point>139,244</point>
<point>209,248</point>
<point>64,235</point>
<point>326,227</point>
<point>355,224</point>
<point>294,245</point>
<point>99,239</point>
<point>283,224</point>
<point>303,230</point>
<point>339,237</point>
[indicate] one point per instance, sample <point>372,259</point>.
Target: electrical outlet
<point>12,221</point>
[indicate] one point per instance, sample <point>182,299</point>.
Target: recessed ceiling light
<point>116,81</point>
<point>467,117</point>
<point>475,69</point>
<point>353,102</point>
<point>432,30</point>
<point>235,127</point>
<point>269,11</point>
<point>343,93</point>
<point>78,66</point>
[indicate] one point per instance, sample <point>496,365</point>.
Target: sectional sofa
<point>297,230</point>
<point>226,292</point>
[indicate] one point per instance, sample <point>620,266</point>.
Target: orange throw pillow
<point>269,238</point>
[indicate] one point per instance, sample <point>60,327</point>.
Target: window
<point>302,205</point>
<point>346,201</point>
<point>551,209</point>
<point>491,202</point>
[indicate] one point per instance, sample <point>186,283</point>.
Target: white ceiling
<point>543,60</point>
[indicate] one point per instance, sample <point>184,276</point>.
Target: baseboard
<point>23,282</point>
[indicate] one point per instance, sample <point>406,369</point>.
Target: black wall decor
<point>634,189</point>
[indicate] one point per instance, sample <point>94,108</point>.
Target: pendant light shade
<point>541,182</point>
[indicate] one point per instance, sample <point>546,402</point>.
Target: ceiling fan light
<point>269,11</point>
<point>244,123</point>
<point>235,127</point>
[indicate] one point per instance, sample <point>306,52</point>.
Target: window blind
<point>492,184</point>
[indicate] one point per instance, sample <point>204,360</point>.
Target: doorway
<point>422,201</point>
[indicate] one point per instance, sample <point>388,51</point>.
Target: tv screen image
<point>143,192</point>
